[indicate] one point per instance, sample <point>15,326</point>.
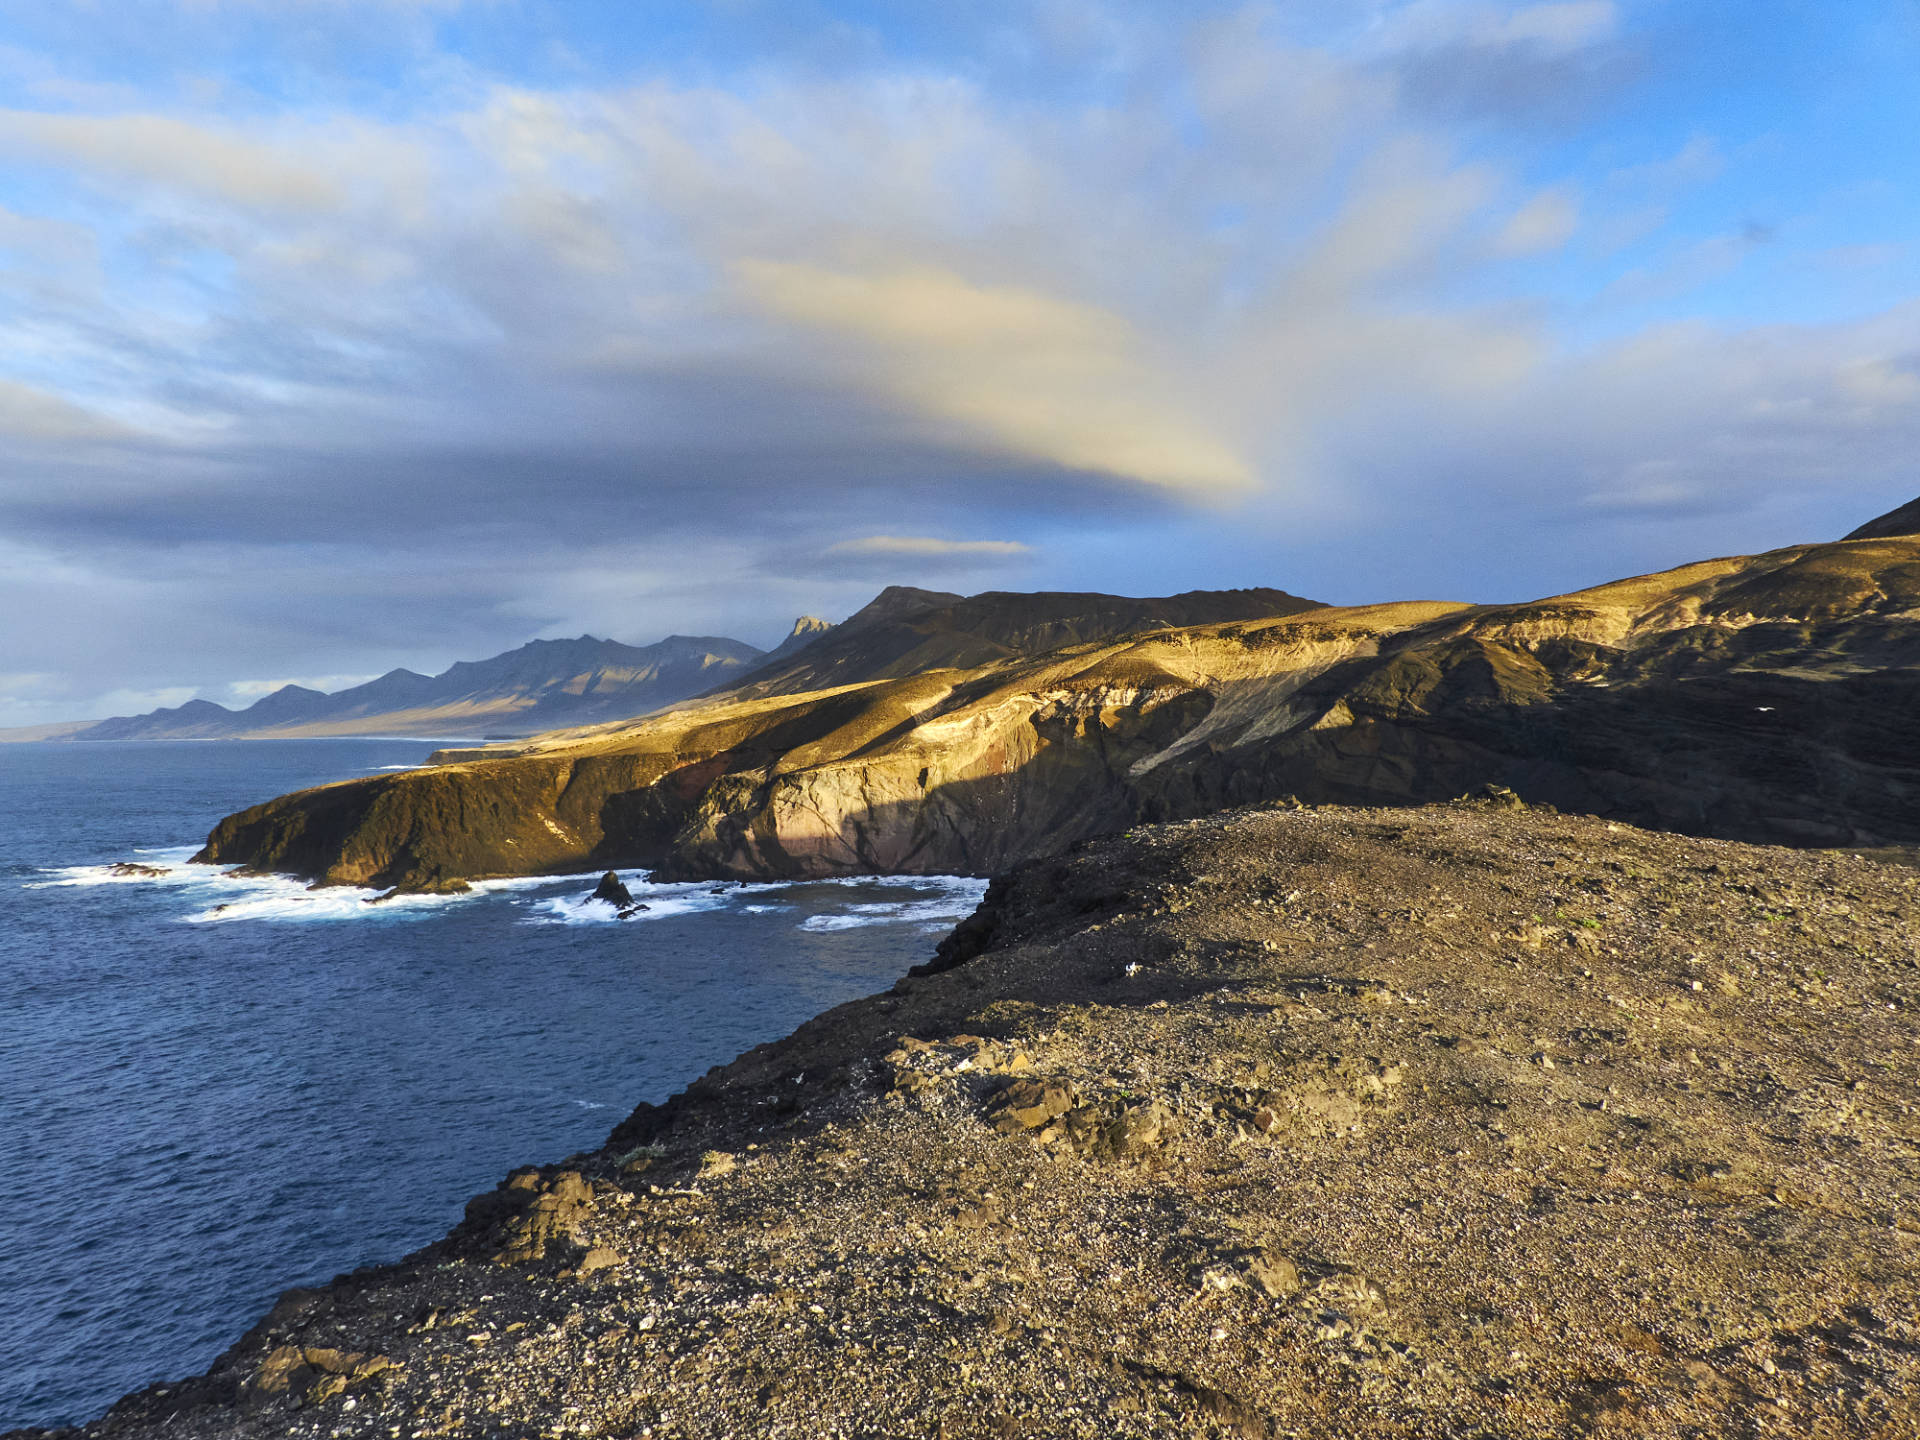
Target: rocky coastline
<point>1771,698</point>
<point>1473,1119</point>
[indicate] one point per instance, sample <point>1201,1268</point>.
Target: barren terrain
<point>1472,1120</point>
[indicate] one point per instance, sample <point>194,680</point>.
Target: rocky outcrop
<point>806,630</point>
<point>613,891</point>
<point>1465,1120</point>
<point>1774,698</point>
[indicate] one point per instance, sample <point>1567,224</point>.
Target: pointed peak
<point>899,602</point>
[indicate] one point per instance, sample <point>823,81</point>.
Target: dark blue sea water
<point>212,1089</point>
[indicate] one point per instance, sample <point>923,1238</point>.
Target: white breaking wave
<point>685,897</point>
<point>171,862</point>
<point>212,895</point>
<point>956,905</point>
<point>957,883</point>
<point>954,898</point>
<point>218,896</point>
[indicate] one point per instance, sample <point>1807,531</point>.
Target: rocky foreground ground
<point>1465,1121</point>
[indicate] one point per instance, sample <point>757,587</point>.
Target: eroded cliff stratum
<point>1767,698</point>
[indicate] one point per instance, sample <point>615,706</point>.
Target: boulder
<point>314,1373</point>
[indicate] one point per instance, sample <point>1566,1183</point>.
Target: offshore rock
<point>613,891</point>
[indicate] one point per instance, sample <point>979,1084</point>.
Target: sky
<point>337,335</point>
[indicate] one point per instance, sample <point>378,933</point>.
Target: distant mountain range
<point>540,686</point>
<point>566,684</point>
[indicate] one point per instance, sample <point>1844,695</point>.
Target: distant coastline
<point>16,737</point>
<point>542,685</point>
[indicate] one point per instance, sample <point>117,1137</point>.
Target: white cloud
<point>401,5</point>
<point>1698,162</point>
<point>1546,222</point>
<point>1561,26</point>
<point>1881,384</point>
<point>926,545</point>
<point>245,692</point>
<point>35,415</point>
<point>1046,378</point>
<point>1680,273</point>
<point>167,151</point>
<point>1555,28</point>
<point>638,358</point>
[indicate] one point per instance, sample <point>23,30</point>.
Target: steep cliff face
<point>1766,698</point>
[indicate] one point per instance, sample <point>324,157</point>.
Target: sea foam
<point>209,895</point>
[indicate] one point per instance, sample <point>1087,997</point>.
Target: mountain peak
<point>898,602</point>
<point>806,630</point>
<point>1903,521</point>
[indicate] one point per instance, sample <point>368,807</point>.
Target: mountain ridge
<point>542,685</point>
<point>905,631</point>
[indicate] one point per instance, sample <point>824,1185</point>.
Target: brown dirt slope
<point>1464,1121</point>
<point>1766,698</point>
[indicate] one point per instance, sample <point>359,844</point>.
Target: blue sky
<point>342,334</point>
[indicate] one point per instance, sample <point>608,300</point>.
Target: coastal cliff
<point>1768,698</point>
<point>1458,1120</point>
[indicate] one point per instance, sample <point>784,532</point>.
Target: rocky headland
<point>1470,1120</point>
<point>1771,698</point>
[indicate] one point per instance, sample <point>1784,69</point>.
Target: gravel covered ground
<point>1466,1121</point>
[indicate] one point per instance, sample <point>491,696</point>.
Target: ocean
<point>214,1088</point>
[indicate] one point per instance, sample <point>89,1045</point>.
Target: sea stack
<point>611,890</point>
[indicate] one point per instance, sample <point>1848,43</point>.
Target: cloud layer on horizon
<point>406,353</point>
